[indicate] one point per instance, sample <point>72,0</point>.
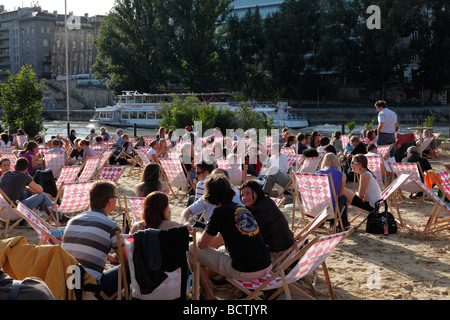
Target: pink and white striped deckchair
<point>89,169</point>
<point>175,176</point>
<point>20,140</point>
<point>294,159</point>
<point>68,174</point>
<point>287,151</point>
<point>134,210</point>
<point>43,229</point>
<point>98,150</point>
<point>8,149</point>
<point>7,207</point>
<point>309,164</point>
<point>308,258</point>
<point>142,160</point>
<point>413,168</point>
<point>75,198</point>
<point>169,289</point>
<point>445,183</point>
<point>384,150</point>
<point>374,164</point>
<point>105,158</point>
<point>316,191</point>
<point>234,169</point>
<point>439,219</point>
<point>12,158</point>
<point>55,161</point>
<point>111,173</point>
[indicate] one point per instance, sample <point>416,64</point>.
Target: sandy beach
<point>403,266</point>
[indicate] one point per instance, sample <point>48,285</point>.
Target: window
<point>58,43</point>
<point>74,44</point>
<point>45,42</point>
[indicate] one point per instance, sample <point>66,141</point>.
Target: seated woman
<point>371,137</point>
<point>154,151</point>
<point>271,221</point>
<point>337,142</point>
<point>88,152</point>
<point>31,153</point>
<point>156,214</point>
<point>163,149</point>
<point>151,181</point>
<point>369,191</point>
<point>126,151</point>
<point>245,255</point>
<point>330,165</point>
<point>253,161</point>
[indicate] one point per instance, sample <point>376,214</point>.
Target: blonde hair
<point>330,160</point>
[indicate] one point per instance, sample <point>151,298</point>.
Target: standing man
<point>387,121</point>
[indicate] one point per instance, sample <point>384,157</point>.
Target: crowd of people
<point>241,231</point>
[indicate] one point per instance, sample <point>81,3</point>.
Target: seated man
<point>245,255</point>
<point>200,206</point>
<point>15,183</point>
<point>277,172</point>
<point>90,236</point>
<point>202,173</point>
<point>413,156</point>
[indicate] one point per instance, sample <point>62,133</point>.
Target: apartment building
<point>240,7</point>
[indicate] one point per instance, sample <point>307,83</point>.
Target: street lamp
<point>67,66</point>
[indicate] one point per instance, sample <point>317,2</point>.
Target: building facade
<point>240,7</point>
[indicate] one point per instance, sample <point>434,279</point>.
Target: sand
<point>402,266</point>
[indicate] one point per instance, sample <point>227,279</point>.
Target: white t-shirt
<point>389,118</point>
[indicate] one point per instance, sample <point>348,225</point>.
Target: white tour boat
<point>143,110</point>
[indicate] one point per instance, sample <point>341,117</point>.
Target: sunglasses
<point>354,162</point>
<point>199,172</point>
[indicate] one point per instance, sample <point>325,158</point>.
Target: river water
<point>83,129</point>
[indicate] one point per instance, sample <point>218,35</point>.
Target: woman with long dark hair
<point>151,181</point>
<point>156,213</point>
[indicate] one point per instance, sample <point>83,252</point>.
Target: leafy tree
<point>180,112</point>
<point>431,44</point>
<point>130,48</point>
<point>21,100</point>
<point>193,33</point>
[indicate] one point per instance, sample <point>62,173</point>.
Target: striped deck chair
<point>12,157</point>
<point>75,198</point>
<point>20,140</point>
<point>309,165</point>
<point>175,176</point>
<point>134,207</point>
<point>234,169</point>
<point>316,192</point>
<point>413,168</point>
<point>305,261</point>
<point>374,164</point>
<point>55,161</point>
<point>98,151</point>
<point>144,148</point>
<point>171,288</point>
<point>45,231</point>
<point>43,148</point>
<point>89,169</point>
<point>113,174</point>
<point>445,183</point>
<point>384,150</point>
<point>294,160</point>
<point>8,149</point>
<point>142,160</point>
<point>287,151</point>
<point>104,159</point>
<point>345,140</point>
<point>439,219</point>
<point>68,174</point>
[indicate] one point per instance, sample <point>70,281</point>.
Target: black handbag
<point>381,222</point>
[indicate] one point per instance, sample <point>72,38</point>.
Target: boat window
<point>109,114</point>
<point>142,114</point>
<point>133,115</point>
<point>125,115</point>
<point>97,114</point>
<point>138,99</point>
<point>158,115</point>
<point>151,115</point>
<point>102,114</point>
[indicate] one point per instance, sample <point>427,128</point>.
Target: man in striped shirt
<point>90,236</point>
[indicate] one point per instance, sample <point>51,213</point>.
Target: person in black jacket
<point>272,222</point>
<point>413,156</point>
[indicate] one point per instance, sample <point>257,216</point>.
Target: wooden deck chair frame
<point>435,223</point>
<point>195,269</point>
<point>294,268</point>
<point>297,194</point>
<point>387,194</point>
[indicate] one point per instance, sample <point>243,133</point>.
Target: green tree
<point>193,33</point>
<point>131,47</point>
<point>179,112</point>
<point>21,101</point>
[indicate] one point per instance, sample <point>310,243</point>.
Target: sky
<point>78,7</point>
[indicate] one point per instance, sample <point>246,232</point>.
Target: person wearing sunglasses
<point>369,191</point>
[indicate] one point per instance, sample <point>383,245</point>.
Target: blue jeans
<point>40,200</point>
<point>386,139</point>
<point>109,281</point>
